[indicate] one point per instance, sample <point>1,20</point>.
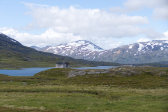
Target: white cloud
<point>138,4</point>
<point>86,22</point>
<point>70,24</point>
<point>160,7</point>
<point>166,34</point>
<point>49,37</point>
<point>152,34</point>
<point>143,40</point>
<point>161,12</point>
<point>163,37</point>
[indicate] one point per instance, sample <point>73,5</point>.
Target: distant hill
<point>137,53</point>
<point>14,55</point>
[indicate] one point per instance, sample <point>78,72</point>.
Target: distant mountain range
<point>81,49</point>
<point>14,55</point>
<point>137,53</point>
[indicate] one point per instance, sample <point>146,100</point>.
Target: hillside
<point>137,53</point>
<point>80,49</point>
<point>14,55</point>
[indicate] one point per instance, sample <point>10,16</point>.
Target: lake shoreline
<point>35,70</point>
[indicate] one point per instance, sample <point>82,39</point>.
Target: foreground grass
<point>53,91</point>
<point>89,99</point>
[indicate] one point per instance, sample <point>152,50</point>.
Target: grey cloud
<point>160,7</point>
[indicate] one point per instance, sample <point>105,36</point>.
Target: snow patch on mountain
<point>141,46</point>
<point>149,46</point>
<point>130,46</point>
<point>7,37</point>
<point>141,52</point>
<point>80,49</point>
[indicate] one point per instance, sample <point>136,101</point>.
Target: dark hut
<point>62,65</point>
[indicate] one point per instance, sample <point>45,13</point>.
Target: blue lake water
<point>98,67</point>
<point>33,71</point>
<point>23,72</point>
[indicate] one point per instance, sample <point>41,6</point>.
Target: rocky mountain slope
<point>137,53</point>
<point>13,54</point>
<point>143,52</point>
<point>81,49</point>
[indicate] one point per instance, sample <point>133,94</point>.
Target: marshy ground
<point>124,89</point>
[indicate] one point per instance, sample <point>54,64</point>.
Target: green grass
<point>113,100</point>
<point>53,91</point>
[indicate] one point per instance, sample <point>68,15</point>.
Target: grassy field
<point>54,91</point>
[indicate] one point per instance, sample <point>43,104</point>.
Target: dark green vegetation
<point>125,89</point>
<point>15,55</point>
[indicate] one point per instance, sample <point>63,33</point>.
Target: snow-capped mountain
<point>15,55</point>
<point>80,49</point>
<point>154,45</point>
<point>142,52</point>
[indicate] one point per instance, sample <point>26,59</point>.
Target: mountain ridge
<point>15,55</point>
<point>136,53</point>
<point>80,49</point>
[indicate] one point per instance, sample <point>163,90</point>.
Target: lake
<point>24,71</point>
<point>33,71</point>
<point>98,67</point>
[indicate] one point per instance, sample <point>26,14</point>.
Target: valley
<point>122,89</point>
<point>83,55</point>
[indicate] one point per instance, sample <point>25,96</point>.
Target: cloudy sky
<point>107,23</point>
